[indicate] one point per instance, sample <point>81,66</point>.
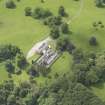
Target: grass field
<point>3,73</point>
<point>62,65</point>
<point>16,28</point>
<point>24,31</point>
<point>82,26</point>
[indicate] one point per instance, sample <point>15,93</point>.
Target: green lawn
<point>62,65</point>
<point>24,31</point>
<point>3,73</point>
<point>18,29</point>
<point>82,26</point>
<point>20,78</point>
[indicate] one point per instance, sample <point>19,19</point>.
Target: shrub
<point>54,33</point>
<point>32,70</point>
<point>40,13</point>
<point>18,0</point>
<point>62,43</point>
<point>99,3</point>
<point>65,28</point>
<point>8,52</point>
<point>28,11</point>
<point>53,21</point>
<point>10,4</point>
<point>93,41</point>
<point>61,11</point>
<point>21,61</point>
<point>10,67</point>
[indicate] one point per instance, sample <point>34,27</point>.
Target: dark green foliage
<point>58,27</point>
<point>5,91</point>
<point>89,69</point>
<point>78,56</point>
<point>55,33</point>
<point>40,13</point>
<point>65,28</point>
<point>63,43</point>
<point>28,11</point>
<point>62,12</point>
<point>85,75</point>
<point>21,61</point>
<point>103,1</point>
<point>13,59</point>
<point>53,21</point>
<point>18,0</point>
<point>76,0</point>
<point>10,67</point>
<point>8,52</point>
<point>98,25</point>
<point>33,71</point>
<point>11,100</point>
<point>102,26</point>
<point>10,4</point>
<point>42,1</point>
<point>100,3</point>
<point>12,95</point>
<point>95,24</point>
<point>93,41</point>
<point>65,92</point>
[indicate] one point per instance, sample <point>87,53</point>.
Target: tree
<point>32,71</point>
<point>24,89</point>
<point>40,13</point>
<point>61,11</point>
<point>24,94</point>
<point>78,56</point>
<point>28,11</point>
<point>70,47</point>
<point>99,3</point>
<point>103,1</point>
<point>93,41</point>
<point>62,43</point>
<point>42,1</point>
<point>8,52</point>
<point>10,67</point>
<point>18,0</point>
<point>80,72</point>
<point>66,92</point>
<point>21,61</point>
<point>54,33</point>
<point>91,77</point>
<point>102,26</point>
<point>11,100</point>
<point>65,28</point>
<point>95,24</point>
<point>10,4</point>
<point>53,21</point>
